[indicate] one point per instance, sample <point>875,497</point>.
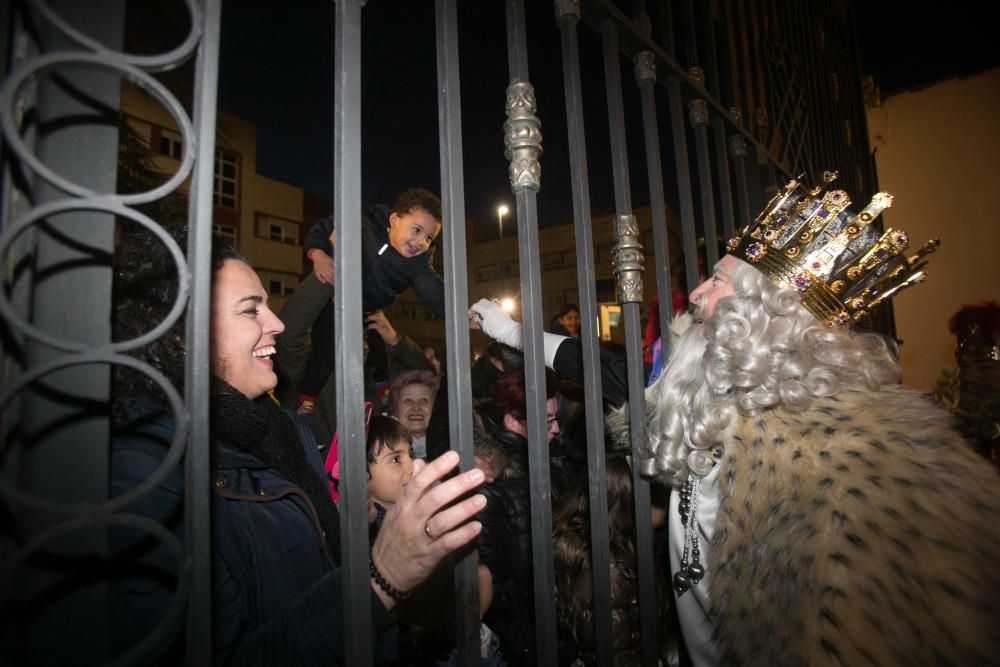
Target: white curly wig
<point>759,350</point>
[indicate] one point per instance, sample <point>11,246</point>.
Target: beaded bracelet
<point>389,589</point>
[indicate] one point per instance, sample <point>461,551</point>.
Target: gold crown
<point>841,266</point>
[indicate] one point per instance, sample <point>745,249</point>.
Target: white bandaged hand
<point>496,323</point>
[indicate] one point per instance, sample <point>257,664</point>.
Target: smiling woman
<point>276,582</point>
<point>243,330</point>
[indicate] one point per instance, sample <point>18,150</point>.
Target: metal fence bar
<point>684,189</point>
<point>523,142</point>
<point>719,134</point>
<point>456,306</point>
<point>699,122</point>
<point>738,153</point>
<point>348,350</point>
<point>568,14</point>
<point>628,263</point>
<point>197,522</point>
<point>645,76</point>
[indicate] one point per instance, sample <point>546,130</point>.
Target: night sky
<point>277,64</point>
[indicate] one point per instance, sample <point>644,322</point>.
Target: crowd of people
<point>808,508</point>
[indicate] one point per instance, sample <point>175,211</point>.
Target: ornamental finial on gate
<point>523,137</point>
<point>627,259</point>
<point>567,8</point>
<point>645,67</point>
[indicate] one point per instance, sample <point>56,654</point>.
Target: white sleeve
<point>551,342</point>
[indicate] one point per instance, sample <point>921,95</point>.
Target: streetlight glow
<point>502,210</point>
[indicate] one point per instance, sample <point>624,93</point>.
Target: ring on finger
<point>427,531</point>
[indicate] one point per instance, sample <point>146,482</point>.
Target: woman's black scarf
<point>261,428</point>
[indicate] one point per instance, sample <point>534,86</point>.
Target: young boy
<point>394,247</point>
<point>390,463</point>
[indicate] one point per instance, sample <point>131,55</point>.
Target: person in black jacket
<point>395,245</point>
<point>501,448</point>
<point>277,589</point>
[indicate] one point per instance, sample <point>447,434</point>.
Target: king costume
<point>860,531</point>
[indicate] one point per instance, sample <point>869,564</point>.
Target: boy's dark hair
<point>384,432</point>
<point>418,198</point>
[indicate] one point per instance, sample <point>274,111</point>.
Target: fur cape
<point>861,531</point>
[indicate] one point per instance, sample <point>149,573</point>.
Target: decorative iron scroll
<point>627,260</point>
<point>523,138</point>
<point>645,67</point>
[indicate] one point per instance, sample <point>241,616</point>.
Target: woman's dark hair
<point>566,310</point>
<point>384,432</point>
<point>509,395</point>
<point>144,289</point>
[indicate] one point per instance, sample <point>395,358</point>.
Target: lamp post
<point>501,212</point>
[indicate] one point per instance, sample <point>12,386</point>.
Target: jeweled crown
<point>840,264</point>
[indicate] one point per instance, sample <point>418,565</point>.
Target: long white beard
<point>680,403</point>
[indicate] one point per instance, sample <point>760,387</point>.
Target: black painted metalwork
<point>456,305</point>
<point>630,314</point>
<point>780,94</point>
<point>523,141</point>
<point>568,18</point>
<point>197,521</point>
<point>56,439</point>
<point>347,292</point>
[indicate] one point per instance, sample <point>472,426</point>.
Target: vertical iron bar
<point>755,188</point>
<point>593,406</point>
<point>682,165</point>
<point>719,133</point>
<point>525,180</point>
<point>737,147</point>
<point>645,74</point>
<point>633,347</point>
<point>699,121</point>
<point>197,522</point>
<point>456,297</point>
<point>348,349</point>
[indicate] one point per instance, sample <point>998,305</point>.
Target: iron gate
<point>751,91</point>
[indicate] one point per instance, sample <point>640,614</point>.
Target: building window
<point>277,229</point>
<point>552,261</point>
<point>278,283</point>
<point>485,274</point>
<point>226,176</point>
<point>170,144</point>
<point>224,230</point>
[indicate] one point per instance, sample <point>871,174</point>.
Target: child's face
<point>389,473</point>
<point>411,234</point>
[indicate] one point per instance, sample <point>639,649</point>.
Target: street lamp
<point>501,212</point>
